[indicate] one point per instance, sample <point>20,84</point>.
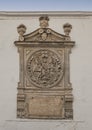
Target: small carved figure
<point>67,28</point>
<point>44,21</point>
<point>21,30</point>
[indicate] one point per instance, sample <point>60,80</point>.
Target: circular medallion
<point>44,68</point>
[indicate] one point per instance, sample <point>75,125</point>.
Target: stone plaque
<point>44,89</point>
<point>46,106</point>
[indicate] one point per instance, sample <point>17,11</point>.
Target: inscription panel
<point>46,106</point>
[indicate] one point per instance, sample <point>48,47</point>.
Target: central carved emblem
<point>44,68</point>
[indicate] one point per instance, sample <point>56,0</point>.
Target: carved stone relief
<point>44,89</point>
<point>44,68</point>
<point>42,62</point>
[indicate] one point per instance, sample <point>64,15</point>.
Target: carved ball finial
<point>67,28</point>
<point>44,21</point>
<point>21,30</point>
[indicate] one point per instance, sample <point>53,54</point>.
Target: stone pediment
<point>45,35</point>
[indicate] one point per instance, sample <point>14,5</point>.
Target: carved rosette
<point>44,34</point>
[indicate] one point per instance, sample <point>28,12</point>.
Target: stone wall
<point>80,69</point>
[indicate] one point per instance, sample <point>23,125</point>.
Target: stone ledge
<point>34,124</point>
<point>44,120</point>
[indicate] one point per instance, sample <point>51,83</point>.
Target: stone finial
<point>21,30</point>
<point>44,21</point>
<point>67,28</point>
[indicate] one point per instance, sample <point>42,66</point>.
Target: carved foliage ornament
<point>44,68</point>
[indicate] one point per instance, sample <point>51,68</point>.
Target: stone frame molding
<point>44,102</point>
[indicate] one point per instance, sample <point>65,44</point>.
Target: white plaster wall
<point>80,74</point>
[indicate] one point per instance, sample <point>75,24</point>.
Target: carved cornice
<point>28,14</point>
<point>42,44</point>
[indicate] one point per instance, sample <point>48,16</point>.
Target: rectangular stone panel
<point>46,106</point>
